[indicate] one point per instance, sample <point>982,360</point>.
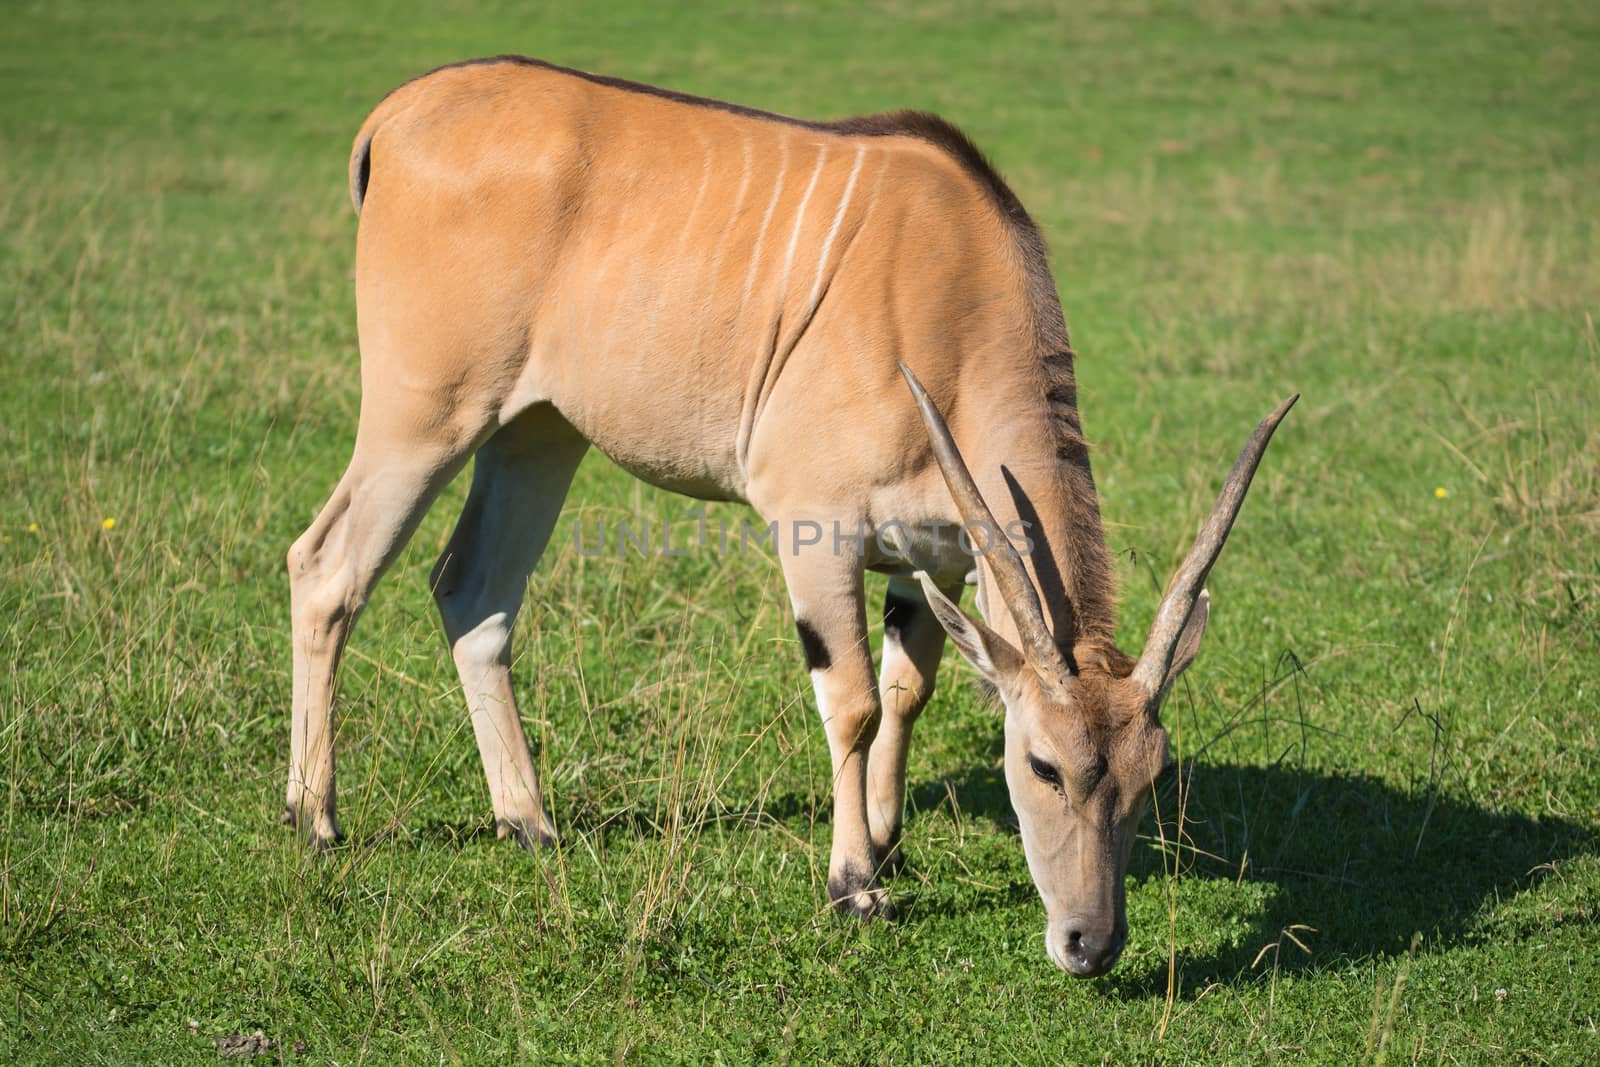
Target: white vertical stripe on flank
<point>833,231</point>
<point>733,216</point>
<point>704,311</point>
<point>700,195</point>
<point>799,220</point>
<point>766,220</point>
<point>664,296</point>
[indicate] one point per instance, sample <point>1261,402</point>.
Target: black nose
<point>1089,953</point>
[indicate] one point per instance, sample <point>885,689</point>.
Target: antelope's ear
<point>987,651</point>
<point>1189,640</point>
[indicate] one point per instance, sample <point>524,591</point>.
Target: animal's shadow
<point>1364,863</point>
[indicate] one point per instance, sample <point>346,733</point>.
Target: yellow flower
<point>33,527</point>
<point>1441,492</point>
<point>108,523</point>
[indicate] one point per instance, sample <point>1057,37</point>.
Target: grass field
<point>1391,845</point>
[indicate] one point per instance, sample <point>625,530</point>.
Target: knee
<point>488,643</point>
<point>300,558</point>
<point>906,690</point>
<point>322,600</point>
<point>854,723</point>
<point>904,699</point>
<point>477,615</point>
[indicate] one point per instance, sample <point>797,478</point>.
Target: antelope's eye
<point>1045,772</point>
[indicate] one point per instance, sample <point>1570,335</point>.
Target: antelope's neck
<point>1036,470</point>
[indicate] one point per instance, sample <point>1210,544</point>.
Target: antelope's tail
<point>361,151</point>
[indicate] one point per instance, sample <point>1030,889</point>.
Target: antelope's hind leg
<point>519,479</point>
<point>912,644</point>
<point>333,568</point>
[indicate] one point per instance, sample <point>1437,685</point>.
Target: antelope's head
<point>1084,746</point>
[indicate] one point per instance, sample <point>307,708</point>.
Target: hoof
<point>854,894</point>
<point>321,843</point>
<point>530,837</point>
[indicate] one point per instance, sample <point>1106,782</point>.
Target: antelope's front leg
<point>826,589</point>
<point>912,644</point>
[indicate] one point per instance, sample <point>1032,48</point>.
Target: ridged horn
<point>1184,589</point>
<point>1010,576</point>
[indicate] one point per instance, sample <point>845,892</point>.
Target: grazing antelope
<point>732,304</point>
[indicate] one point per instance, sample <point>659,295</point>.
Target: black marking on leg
<point>842,890</point>
<point>291,818</point>
<point>855,892</point>
<point>899,614</point>
<point>815,648</point>
<point>529,838</point>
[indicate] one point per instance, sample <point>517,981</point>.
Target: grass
<point>1390,849</point>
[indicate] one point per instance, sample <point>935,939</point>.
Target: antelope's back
<point>696,287</point>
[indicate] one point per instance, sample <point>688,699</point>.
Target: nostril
<point>1080,946</point>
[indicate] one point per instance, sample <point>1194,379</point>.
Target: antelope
<point>848,323</point>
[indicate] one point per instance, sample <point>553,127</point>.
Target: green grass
<point>1391,735</point>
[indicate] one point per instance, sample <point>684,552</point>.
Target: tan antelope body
<point>723,301</point>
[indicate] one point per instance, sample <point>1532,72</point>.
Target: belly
<point>689,475</point>
<point>659,420</point>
